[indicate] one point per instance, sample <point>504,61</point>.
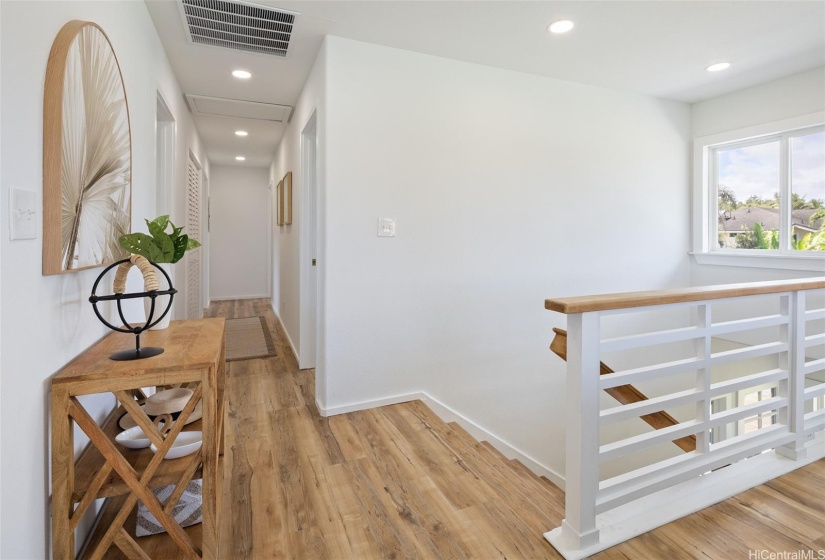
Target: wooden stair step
<point>488,468</point>
<point>494,457</point>
<point>488,476</point>
<point>532,485</point>
<point>543,481</point>
<point>492,449</point>
<point>520,467</point>
<point>627,394</point>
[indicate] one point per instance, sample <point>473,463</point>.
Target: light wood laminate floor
<point>397,482</point>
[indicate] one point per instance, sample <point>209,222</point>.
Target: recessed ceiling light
<point>718,66</point>
<point>561,26</point>
<point>241,133</point>
<point>240,158</point>
<point>242,74</point>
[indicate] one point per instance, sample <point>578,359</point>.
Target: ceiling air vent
<point>237,25</point>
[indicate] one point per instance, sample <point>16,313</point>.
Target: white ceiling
<point>658,48</point>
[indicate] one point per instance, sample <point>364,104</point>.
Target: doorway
<point>164,157</point>
<point>309,246</point>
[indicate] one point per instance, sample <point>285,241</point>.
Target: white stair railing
<point>783,328</point>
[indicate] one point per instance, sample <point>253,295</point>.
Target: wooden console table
<point>193,358</point>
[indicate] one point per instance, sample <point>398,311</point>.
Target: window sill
<point>809,262</point>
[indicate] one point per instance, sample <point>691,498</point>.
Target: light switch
<point>386,227</point>
<point>22,214</point>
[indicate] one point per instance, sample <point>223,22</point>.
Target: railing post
<point>794,306</point>
<point>702,346</point>
<point>582,463</point>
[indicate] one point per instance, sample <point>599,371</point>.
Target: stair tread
<point>521,467</point>
<point>532,491</point>
<point>536,505</point>
<point>501,456</point>
<point>543,481</point>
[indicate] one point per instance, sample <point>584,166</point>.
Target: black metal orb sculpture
<point>138,353</point>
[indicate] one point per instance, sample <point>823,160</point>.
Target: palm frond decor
<point>87,152</point>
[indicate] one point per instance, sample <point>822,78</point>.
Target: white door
<point>309,242</point>
<point>194,307</point>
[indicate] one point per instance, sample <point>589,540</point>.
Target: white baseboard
<point>366,405</point>
<point>227,298</point>
<point>450,415</point>
<point>286,333</point>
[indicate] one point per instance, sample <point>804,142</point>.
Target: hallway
<point>393,482</point>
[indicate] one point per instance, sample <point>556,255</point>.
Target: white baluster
<point>794,360</point>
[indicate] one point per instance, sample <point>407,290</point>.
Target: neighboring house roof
<point>736,220</point>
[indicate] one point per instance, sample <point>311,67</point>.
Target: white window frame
<point>705,214</point>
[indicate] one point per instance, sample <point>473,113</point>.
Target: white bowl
<point>133,438</point>
<point>185,444</point>
<point>167,402</point>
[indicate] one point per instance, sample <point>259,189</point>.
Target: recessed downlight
<point>718,67</point>
<point>241,133</point>
<point>242,74</point>
<point>240,158</point>
<point>560,26</point>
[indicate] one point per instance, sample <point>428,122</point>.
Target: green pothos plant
<point>159,246</point>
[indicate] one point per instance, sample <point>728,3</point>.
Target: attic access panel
<point>220,107</point>
<point>237,25</point>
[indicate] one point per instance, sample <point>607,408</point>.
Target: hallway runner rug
<point>248,338</point>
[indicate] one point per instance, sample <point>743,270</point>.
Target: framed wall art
<point>280,202</point>
<point>288,198</point>
<point>87,152</point>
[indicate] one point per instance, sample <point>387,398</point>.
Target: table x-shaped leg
<point>140,489</point>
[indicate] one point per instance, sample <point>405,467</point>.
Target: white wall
<point>240,253</point>
<point>800,94</point>
<point>507,189</point>
<point>47,320</point>
<point>289,266</point>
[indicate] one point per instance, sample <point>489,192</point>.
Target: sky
<point>754,170</point>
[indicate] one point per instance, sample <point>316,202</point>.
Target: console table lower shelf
<point>156,547</point>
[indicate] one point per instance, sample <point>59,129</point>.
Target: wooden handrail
<point>604,302</point>
<point>627,394</point>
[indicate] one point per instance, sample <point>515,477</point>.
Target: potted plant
<point>160,247</point>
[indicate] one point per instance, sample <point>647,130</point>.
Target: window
<point>761,193</point>
<point>770,192</point>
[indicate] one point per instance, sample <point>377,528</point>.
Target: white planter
<point>161,301</point>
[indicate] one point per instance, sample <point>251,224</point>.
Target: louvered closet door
<point>193,229</point>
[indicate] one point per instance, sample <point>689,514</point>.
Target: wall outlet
<point>22,214</point>
<point>386,227</point>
